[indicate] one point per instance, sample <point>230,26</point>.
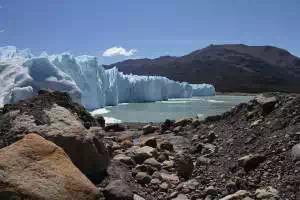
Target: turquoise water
<point>171,109</point>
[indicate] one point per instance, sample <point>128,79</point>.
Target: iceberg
<point>22,75</point>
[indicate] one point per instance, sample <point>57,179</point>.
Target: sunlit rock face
<point>22,75</point>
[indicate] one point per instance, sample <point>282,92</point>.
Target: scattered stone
<point>168,164</point>
<point>203,161</point>
<point>124,159</point>
<point>177,129</point>
<point>126,144</point>
<point>191,184</point>
<point>149,129</point>
<point>183,122</point>
<point>267,103</point>
<point>166,146</point>
<point>255,123</point>
<point>155,181</point>
<point>114,128</point>
<point>141,154</point>
<point>211,190</point>
<point>196,122</point>
<point>167,125</point>
<point>211,137</point>
<point>164,186</point>
<point>269,193</point>
<point>118,190</point>
<point>143,178</point>
<point>296,153</point>
<point>137,197</point>
<point>151,142</point>
<point>34,168</point>
<point>152,162</point>
<point>184,165</point>
<point>251,161</point>
<point>239,195</point>
<point>181,197</point>
<point>162,157</point>
<point>170,178</point>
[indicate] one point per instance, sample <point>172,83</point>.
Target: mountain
<point>230,68</point>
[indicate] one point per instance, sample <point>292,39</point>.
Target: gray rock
<point>239,195</point>
<point>211,190</point>
<point>149,129</point>
<point>296,153</point>
<point>118,190</point>
<point>203,161</point>
<point>162,157</point>
<point>181,197</point>
<point>267,103</point>
<point>155,181</point>
<point>183,122</point>
<point>170,178</point>
<point>124,159</point>
<point>164,186</point>
<point>166,146</point>
<point>184,165</point>
<point>137,197</point>
<point>152,162</point>
<point>139,155</point>
<point>151,142</point>
<point>143,178</point>
<point>267,193</point>
<point>251,161</point>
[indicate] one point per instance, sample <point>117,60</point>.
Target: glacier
<point>22,75</point>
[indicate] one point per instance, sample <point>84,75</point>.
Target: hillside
<point>231,68</point>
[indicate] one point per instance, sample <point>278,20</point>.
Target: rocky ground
<point>250,152</point>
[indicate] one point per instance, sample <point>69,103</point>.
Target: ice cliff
<point>22,75</point>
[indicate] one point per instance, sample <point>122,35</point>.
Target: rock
<point>100,120</point>
<point>164,186</point>
<point>34,168</point>
<point>168,164</point>
<point>267,103</point>
<point>65,130</point>
<point>177,129</point>
<point>167,125</point>
<point>126,144</point>
<point>143,178</point>
<point>231,187</point>
<point>183,122</point>
<point>118,190</point>
<point>296,153</point>
<point>170,178</point>
<point>124,159</point>
<point>152,162</point>
<point>137,197</point>
<point>149,129</point>
<point>211,190</point>
<point>155,181</point>
<point>267,193</point>
<point>203,161</point>
<point>166,146</point>
<point>211,137</point>
<point>184,165</point>
<point>239,195</point>
<point>191,184</point>
<point>255,123</point>
<point>151,142</point>
<point>141,154</point>
<point>196,122</point>
<point>181,197</point>
<point>114,128</point>
<point>251,161</point>
<point>162,157</point>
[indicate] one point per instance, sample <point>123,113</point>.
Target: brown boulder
<point>34,168</point>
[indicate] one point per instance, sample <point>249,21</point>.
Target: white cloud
<point>2,30</point>
<point>118,51</point>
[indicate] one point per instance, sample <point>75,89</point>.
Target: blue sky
<point>146,28</point>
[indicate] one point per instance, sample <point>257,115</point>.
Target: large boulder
<point>34,168</point>
<point>84,147</point>
<point>118,190</point>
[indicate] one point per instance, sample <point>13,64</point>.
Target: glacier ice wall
<point>22,75</point>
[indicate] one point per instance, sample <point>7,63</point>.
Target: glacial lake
<point>171,109</point>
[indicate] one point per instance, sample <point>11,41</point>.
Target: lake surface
<point>171,109</point>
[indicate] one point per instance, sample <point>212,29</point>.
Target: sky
<point>128,29</point>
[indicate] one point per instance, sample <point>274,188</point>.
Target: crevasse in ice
<point>22,75</point>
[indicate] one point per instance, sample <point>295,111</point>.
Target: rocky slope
<point>250,152</point>
<point>230,68</point>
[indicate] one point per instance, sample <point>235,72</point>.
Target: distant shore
<point>237,94</point>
